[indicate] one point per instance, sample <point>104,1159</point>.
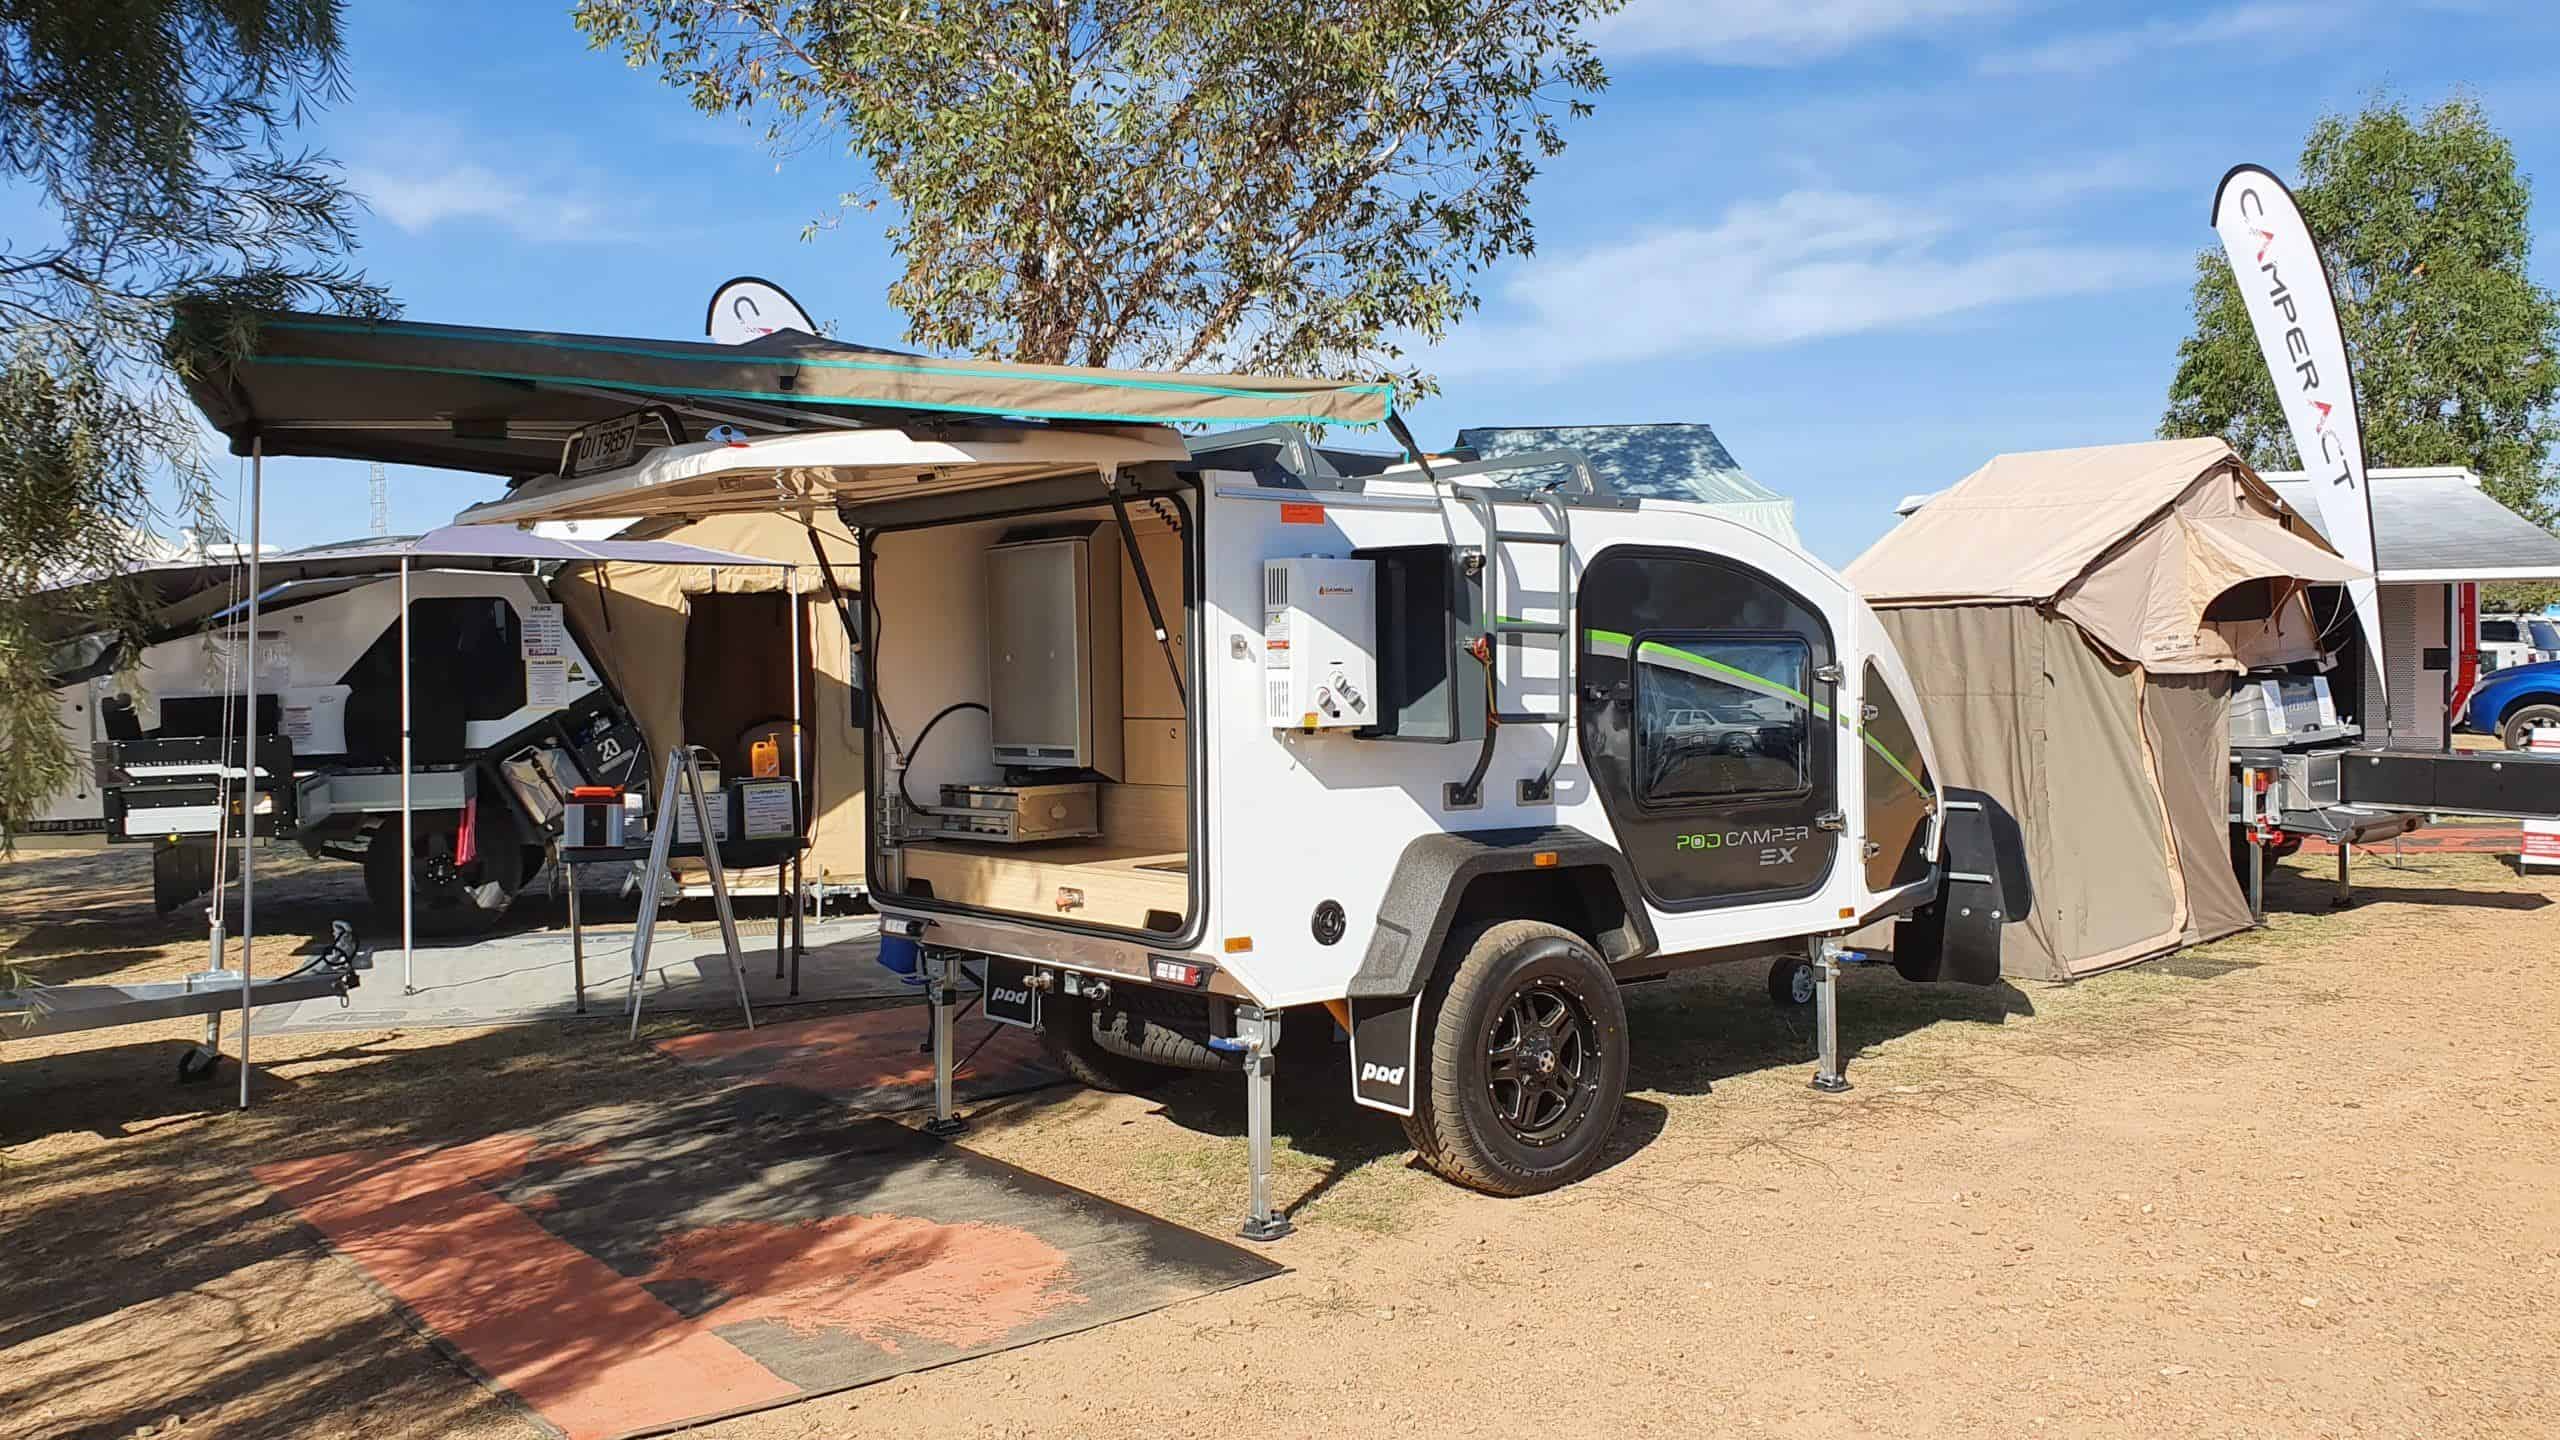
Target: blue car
<point>2511,703</point>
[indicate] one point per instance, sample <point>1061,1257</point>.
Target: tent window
<point>1721,716</point>
<point>2248,600</point>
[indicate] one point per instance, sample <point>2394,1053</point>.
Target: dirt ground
<point>2305,1182</point>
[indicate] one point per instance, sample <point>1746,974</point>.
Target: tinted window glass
<point>1721,716</point>
<point>2546,636</point>
<point>2498,632</point>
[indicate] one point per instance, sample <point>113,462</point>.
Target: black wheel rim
<point>1542,1062</point>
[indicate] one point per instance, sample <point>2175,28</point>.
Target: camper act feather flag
<point>2296,316</point>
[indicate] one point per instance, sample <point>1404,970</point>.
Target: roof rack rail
<point>1593,491</point>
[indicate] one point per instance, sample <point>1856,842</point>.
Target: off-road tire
<point>1455,1126</point>
<point>2516,731</point>
<point>1067,1033</point>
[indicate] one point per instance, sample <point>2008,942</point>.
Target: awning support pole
<point>249,743</point>
<point>786,879</point>
<point>408,822</point>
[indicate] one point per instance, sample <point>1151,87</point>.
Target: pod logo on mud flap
<point>1006,995</point>
<point>1381,1074</point>
<point>1776,844</point>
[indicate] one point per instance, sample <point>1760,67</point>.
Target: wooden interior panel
<point>1156,752</point>
<point>1096,883</point>
<point>1152,817</point>
<point>1146,682</point>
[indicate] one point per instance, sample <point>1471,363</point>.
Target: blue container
<point>902,957</point>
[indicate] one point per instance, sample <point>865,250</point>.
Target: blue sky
<point>1873,242</point>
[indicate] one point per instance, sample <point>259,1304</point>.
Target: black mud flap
<point>1382,1042</point>
<point>1010,998</point>
<point>1982,886</point>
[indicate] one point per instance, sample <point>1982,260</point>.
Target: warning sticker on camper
<point>1295,513</point>
<point>546,684</point>
<point>545,635</point>
<point>1275,638</point>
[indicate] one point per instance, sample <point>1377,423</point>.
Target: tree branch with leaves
<point>2423,222</point>
<point>1311,188</point>
<point>156,138</point>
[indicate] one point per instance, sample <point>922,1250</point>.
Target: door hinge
<point>1827,674</point>
<point>1830,820</point>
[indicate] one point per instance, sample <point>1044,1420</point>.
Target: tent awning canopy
<point>827,470</point>
<point>2135,544</point>
<point>504,402</point>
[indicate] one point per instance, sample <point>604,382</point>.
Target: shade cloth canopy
<point>2135,544</point>
<point>504,401</point>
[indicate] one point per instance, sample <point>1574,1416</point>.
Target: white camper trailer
<point>1184,742</point>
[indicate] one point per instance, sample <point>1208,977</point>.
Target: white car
<point>2507,640</point>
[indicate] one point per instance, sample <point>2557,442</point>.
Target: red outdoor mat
<point>638,1268</point>
<point>871,1060</point>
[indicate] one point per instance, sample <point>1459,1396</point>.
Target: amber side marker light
<point>1544,859</point>
<point>1239,944</point>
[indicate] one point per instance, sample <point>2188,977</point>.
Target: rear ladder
<point>1502,628</point>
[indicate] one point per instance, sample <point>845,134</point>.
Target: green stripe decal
<point>887,365</point>
<point>1614,643</point>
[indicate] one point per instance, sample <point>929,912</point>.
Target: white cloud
<point>1809,265</point>
<point>1771,32</point>
<point>420,198</point>
<point>2100,49</point>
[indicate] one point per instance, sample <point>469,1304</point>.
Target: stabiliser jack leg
<point>1259,1030</point>
<point>946,999</point>
<point>1826,1019</point>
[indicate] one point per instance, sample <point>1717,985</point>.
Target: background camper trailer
<point>1180,746</point>
<point>507,712</point>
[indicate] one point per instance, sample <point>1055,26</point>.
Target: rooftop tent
<point>1663,462</point>
<point>805,473</point>
<point>504,402</point>
<point>2072,620</point>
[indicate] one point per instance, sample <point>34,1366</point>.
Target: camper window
<point>1721,716</point>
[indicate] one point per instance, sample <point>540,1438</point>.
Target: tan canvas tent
<point>697,653</point>
<point>2072,619</point>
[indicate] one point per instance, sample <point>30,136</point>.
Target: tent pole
<point>799,781</point>
<point>408,827</point>
<point>249,741</point>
